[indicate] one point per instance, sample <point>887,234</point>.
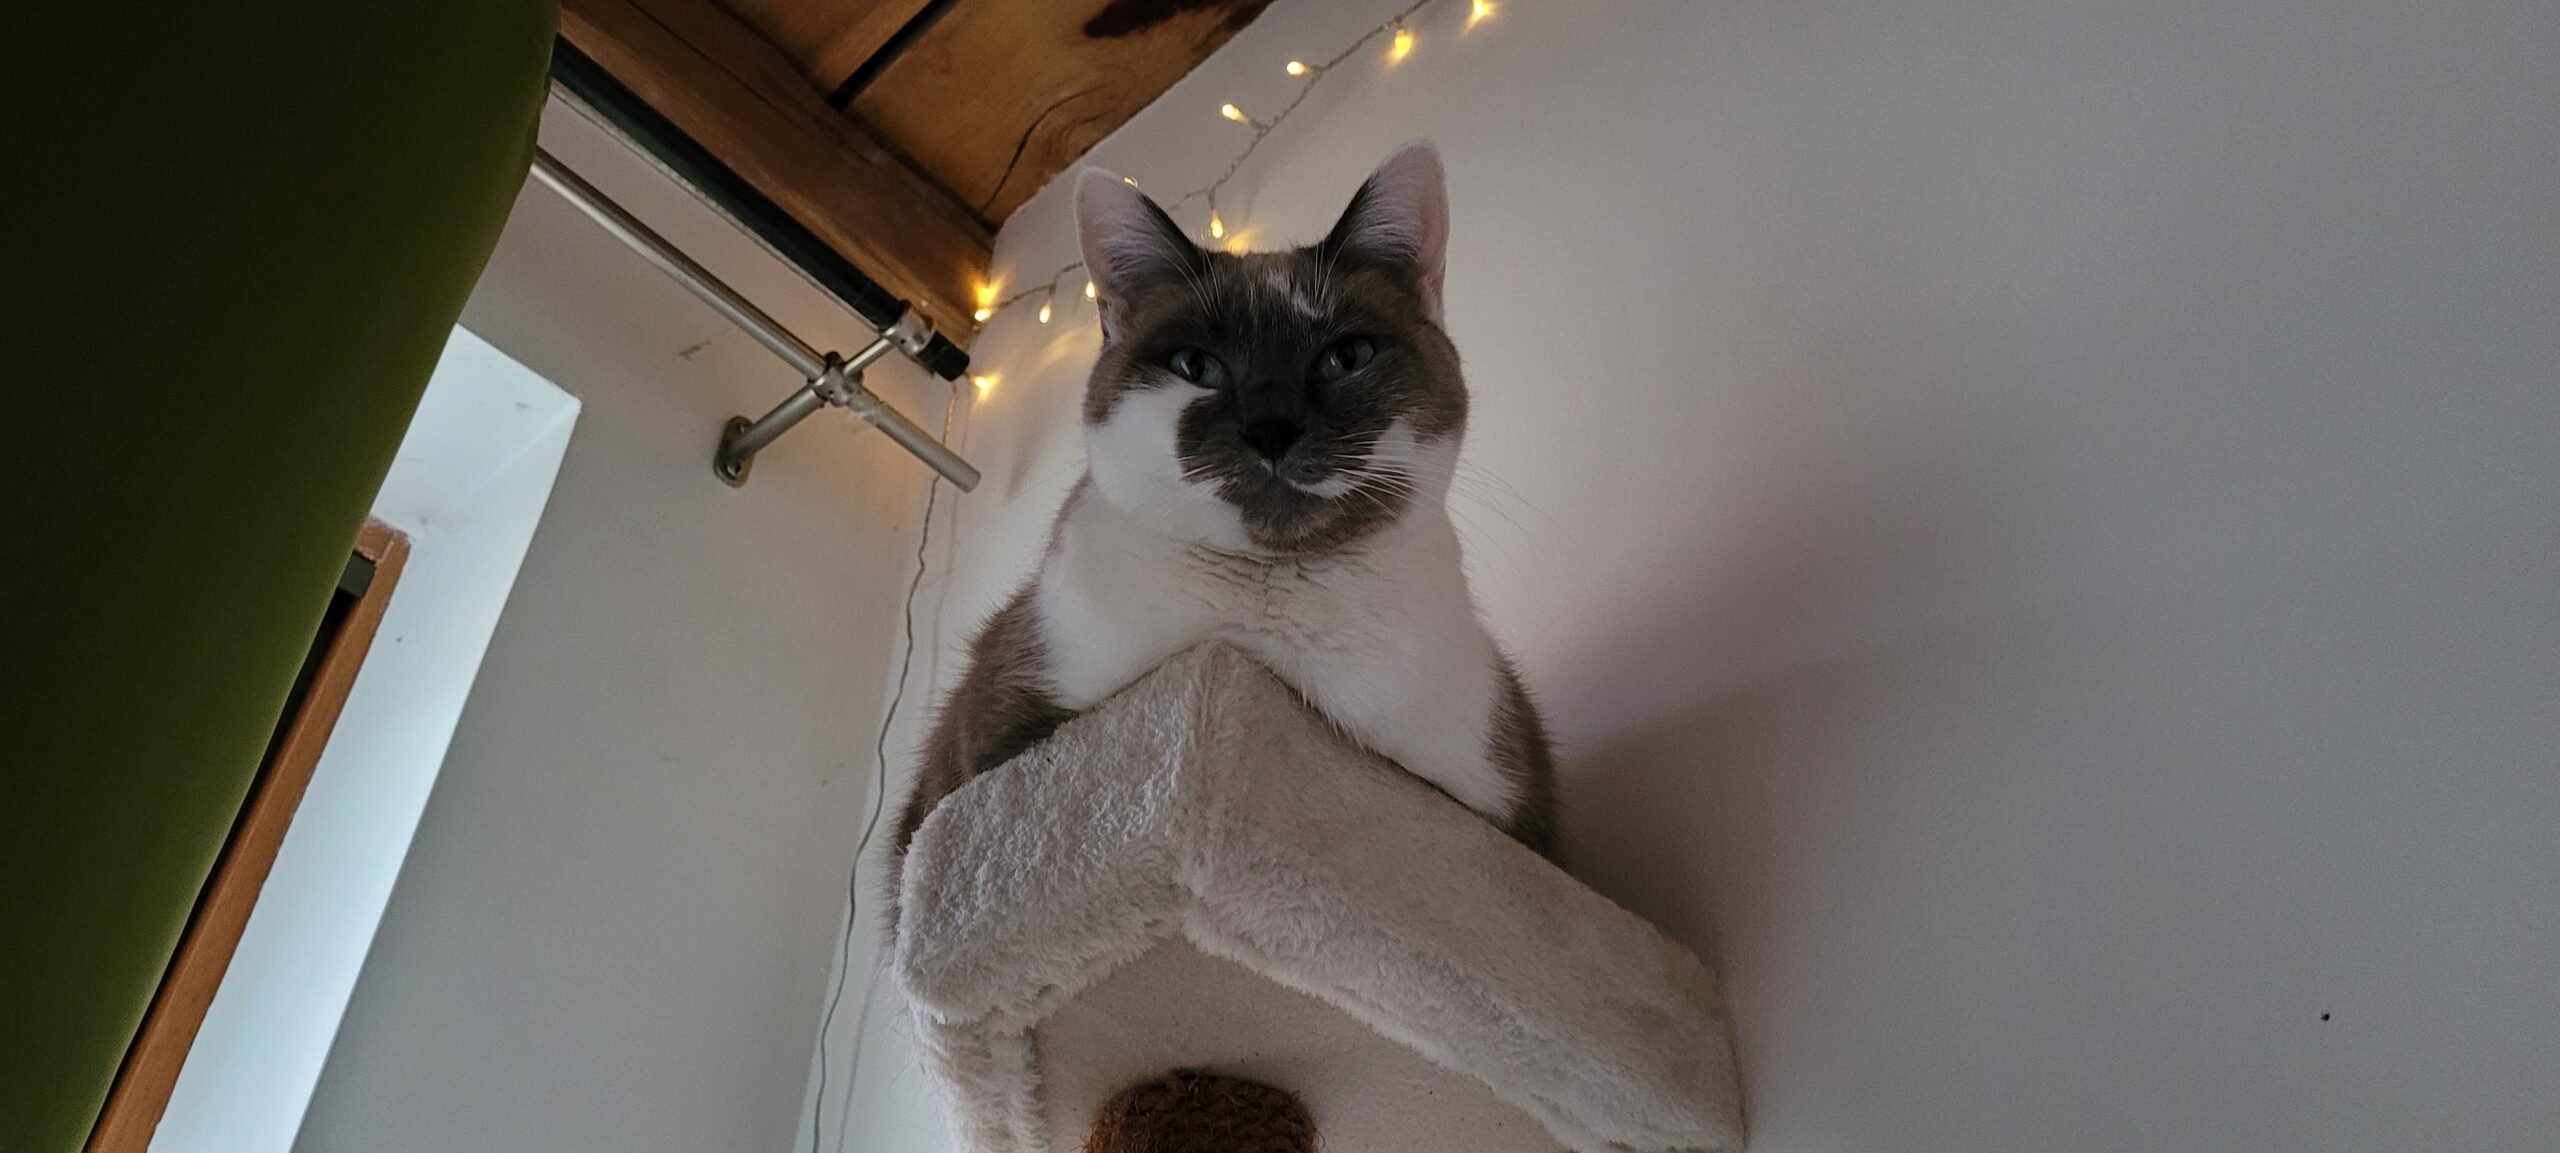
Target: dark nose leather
<point>1272,437</point>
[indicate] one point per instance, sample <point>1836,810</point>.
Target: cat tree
<point>1200,873</point>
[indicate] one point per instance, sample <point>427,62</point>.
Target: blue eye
<point>1196,366</point>
<point>1347,356</point>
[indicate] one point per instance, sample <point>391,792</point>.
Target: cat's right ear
<point>1130,246</point>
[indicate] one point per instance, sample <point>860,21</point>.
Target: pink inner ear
<point>1413,180</point>
<point>1123,237</point>
<point>1407,212</point>
<point>1107,210</point>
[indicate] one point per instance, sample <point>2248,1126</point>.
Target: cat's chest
<point>1332,604</point>
<point>1114,606</point>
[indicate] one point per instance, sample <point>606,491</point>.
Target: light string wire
<point>871,824</point>
<point>1398,26</point>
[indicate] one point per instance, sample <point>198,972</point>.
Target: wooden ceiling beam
<point>828,39</point>
<point>999,96</point>
<point>742,100</point>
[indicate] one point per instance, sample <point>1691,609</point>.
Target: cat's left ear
<point>1131,248</point>
<point>1399,221</point>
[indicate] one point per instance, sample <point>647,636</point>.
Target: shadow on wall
<point>1772,775</point>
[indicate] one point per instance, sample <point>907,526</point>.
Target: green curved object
<point>239,234</point>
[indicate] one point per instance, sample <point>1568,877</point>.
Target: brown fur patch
<point>1001,706</point>
<point>1519,747</point>
<point>1194,1112</point>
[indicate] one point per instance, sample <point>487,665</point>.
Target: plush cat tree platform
<point>1200,873</point>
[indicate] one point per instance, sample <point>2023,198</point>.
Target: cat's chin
<point>1299,518</point>
<point>1314,526</point>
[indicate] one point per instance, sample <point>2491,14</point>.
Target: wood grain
<point>1000,95</point>
<point>746,103</point>
<point>150,1071</point>
<point>826,39</point>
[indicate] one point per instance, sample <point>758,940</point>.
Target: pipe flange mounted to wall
<point>831,379</point>
<point>838,383</point>
<point>732,467</point>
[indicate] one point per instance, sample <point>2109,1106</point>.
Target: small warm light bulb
<point>1401,46</point>
<point>986,384</point>
<point>1044,312</point>
<point>1231,112</point>
<point>1297,68</point>
<point>1482,9</point>
<point>1129,182</point>
<point>1217,227</point>
<point>983,314</point>
<point>1089,294</point>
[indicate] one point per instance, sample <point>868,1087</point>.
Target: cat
<point>1270,438</point>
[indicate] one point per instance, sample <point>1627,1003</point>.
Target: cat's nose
<point>1272,437</point>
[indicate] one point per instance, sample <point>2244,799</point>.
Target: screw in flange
<point>726,464</point>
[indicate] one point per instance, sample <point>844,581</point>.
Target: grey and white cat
<point>1270,438</point>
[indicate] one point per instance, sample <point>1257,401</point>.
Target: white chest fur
<point>1384,640</point>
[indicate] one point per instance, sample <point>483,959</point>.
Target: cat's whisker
<point>1463,495</point>
<point>1386,498</point>
<point>1380,471</point>
<point>1382,495</point>
<point>1493,490</point>
<point>1468,466</point>
<point>1467,520</point>
<point>1390,478</point>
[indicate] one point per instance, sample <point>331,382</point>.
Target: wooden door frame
<point>159,1050</point>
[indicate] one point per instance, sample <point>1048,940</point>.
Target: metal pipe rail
<point>832,380</point>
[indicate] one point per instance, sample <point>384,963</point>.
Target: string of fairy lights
<point>1398,31</point>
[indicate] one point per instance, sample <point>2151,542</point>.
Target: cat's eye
<point>1347,356</point>
<point>1196,366</point>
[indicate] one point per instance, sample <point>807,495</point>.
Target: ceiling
<point>902,132</point>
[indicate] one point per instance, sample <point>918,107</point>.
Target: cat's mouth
<point>1332,484</point>
<point>1326,477</point>
<point>1309,504</point>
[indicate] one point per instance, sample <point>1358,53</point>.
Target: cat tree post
<point>1200,874</point>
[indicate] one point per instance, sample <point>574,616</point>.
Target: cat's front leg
<point>1004,703</point>
<point>1114,601</point>
<point>1444,710</point>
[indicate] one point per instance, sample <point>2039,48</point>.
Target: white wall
<point>467,486</point>
<point>2036,526</point>
<point>613,930</point>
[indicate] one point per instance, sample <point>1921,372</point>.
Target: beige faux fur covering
<point>1207,803</point>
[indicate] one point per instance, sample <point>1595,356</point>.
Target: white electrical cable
<point>871,824</point>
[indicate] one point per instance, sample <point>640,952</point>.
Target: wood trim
<point>386,547</point>
<point>150,1071</point>
<point>736,95</point>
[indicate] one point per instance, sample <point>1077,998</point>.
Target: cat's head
<point>1282,403</point>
